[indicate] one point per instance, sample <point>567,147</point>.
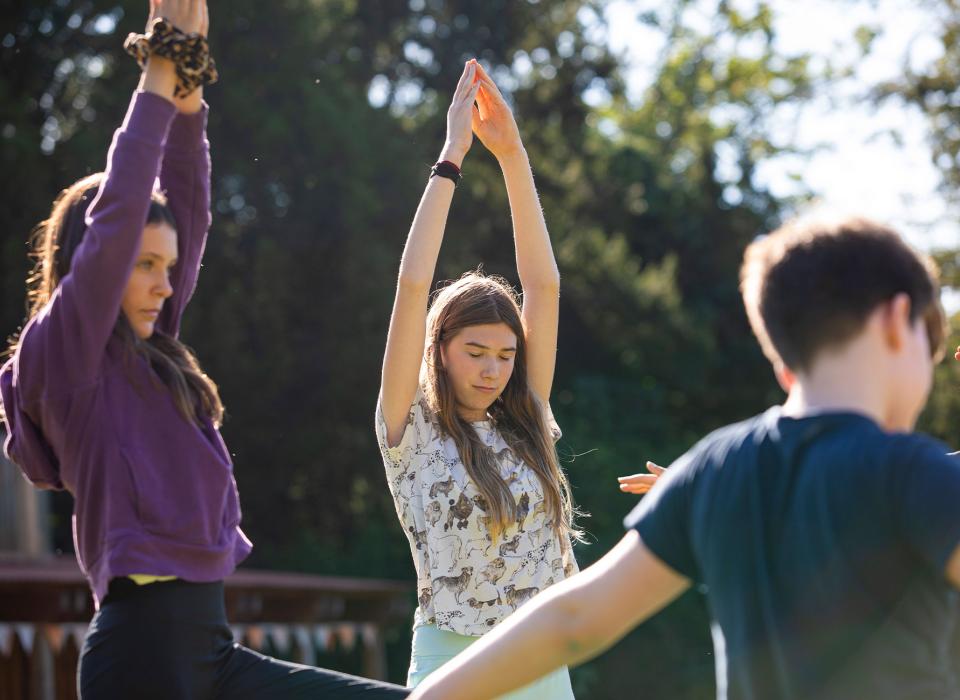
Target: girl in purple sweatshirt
<point>101,398</point>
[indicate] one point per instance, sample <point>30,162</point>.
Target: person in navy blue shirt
<point>826,532</point>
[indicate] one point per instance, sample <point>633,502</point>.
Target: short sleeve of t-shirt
<point>662,518</point>
<point>929,503</point>
<point>416,432</point>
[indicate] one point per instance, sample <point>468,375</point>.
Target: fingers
<point>641,483</point>
<point>488,82</point>
<point>154,12</point>
<point>186,15</point>
<point>638,479</point>
<point>476,123</point>
<point>196,15</point>
<point>483,102</point>
<point>655,468</point>
<point>466,79</point>
<point>637,483</point>
<point>472,95</point>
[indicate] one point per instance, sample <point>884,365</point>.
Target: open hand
<point>189,16</point>
<point>641,483</point>
<point>459,136</point>
<point>493,122</point>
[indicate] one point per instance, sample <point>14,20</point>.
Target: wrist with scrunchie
<point>190,54</point>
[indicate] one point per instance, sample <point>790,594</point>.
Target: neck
<point>471,415</point>
<point>806,398</point>
<point>845,381</point>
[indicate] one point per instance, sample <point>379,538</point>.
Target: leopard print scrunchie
<point>190,54</point>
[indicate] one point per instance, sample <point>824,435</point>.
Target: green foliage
<point>935,90</point>
<point>325,121</point>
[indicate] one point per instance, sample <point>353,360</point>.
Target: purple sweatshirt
<point>154,493</point>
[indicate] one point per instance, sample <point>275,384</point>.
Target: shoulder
<point>909,451</point>
<point>715,449</point>
<point>419,429</point>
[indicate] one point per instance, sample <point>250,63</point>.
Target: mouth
<point>151,313</point>
<point>486,389</point>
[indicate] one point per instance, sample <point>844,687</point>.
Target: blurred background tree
<point>326,119</point>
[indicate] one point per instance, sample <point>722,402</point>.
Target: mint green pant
<point>433,647</point>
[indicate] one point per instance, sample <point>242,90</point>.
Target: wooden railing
<point>45,605</point>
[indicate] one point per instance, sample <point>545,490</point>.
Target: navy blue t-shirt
<point>822,542</point>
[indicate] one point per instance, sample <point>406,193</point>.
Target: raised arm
<point>568,624</point>
<point>64,344</point>
<point>185,178</point>
<point>495,126</point>
<point>405,339</point>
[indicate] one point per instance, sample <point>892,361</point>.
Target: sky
<point>860,167</point>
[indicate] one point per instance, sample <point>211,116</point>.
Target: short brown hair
<point>811,285</point>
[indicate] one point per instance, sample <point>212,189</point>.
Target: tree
<point>323,127</point>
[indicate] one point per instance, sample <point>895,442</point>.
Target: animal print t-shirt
<point>466,583</point>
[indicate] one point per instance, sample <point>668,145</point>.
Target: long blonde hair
<point>518,414</point>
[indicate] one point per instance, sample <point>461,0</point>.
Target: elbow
<point>575,629</point>
<point>551,282</point>
<point>546,285</point>
<point>410,284</point>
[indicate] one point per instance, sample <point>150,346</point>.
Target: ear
<point>785,376</point>
<point>443,355</point>
<point>895,317</point>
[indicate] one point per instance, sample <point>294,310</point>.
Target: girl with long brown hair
<point>100,397</point>
<point>463,420</point>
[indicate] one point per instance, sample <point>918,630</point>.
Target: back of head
<point>811,285</point>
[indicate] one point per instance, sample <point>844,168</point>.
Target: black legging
<point>171,640</point>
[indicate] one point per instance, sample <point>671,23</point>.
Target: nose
<point>163,287</point>
<point>490,369</point>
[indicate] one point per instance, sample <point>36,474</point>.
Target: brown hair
<point>518,414</point>
<point>52,246</point>
<point>810,285</point>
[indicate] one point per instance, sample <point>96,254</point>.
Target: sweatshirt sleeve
<point>25,444</point>
<point>185,178</point>
<point>62,347</point>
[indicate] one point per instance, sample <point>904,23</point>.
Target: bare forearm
<point>191,104</point>
<point>159,77</point>
<point>536,265</point>
<point>543,633</point>
<point>569,623</point>
<point>426,234</point>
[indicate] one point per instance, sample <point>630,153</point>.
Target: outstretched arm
<point>495,126</point>
<point>569,623</point>
<point>405,339</point>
